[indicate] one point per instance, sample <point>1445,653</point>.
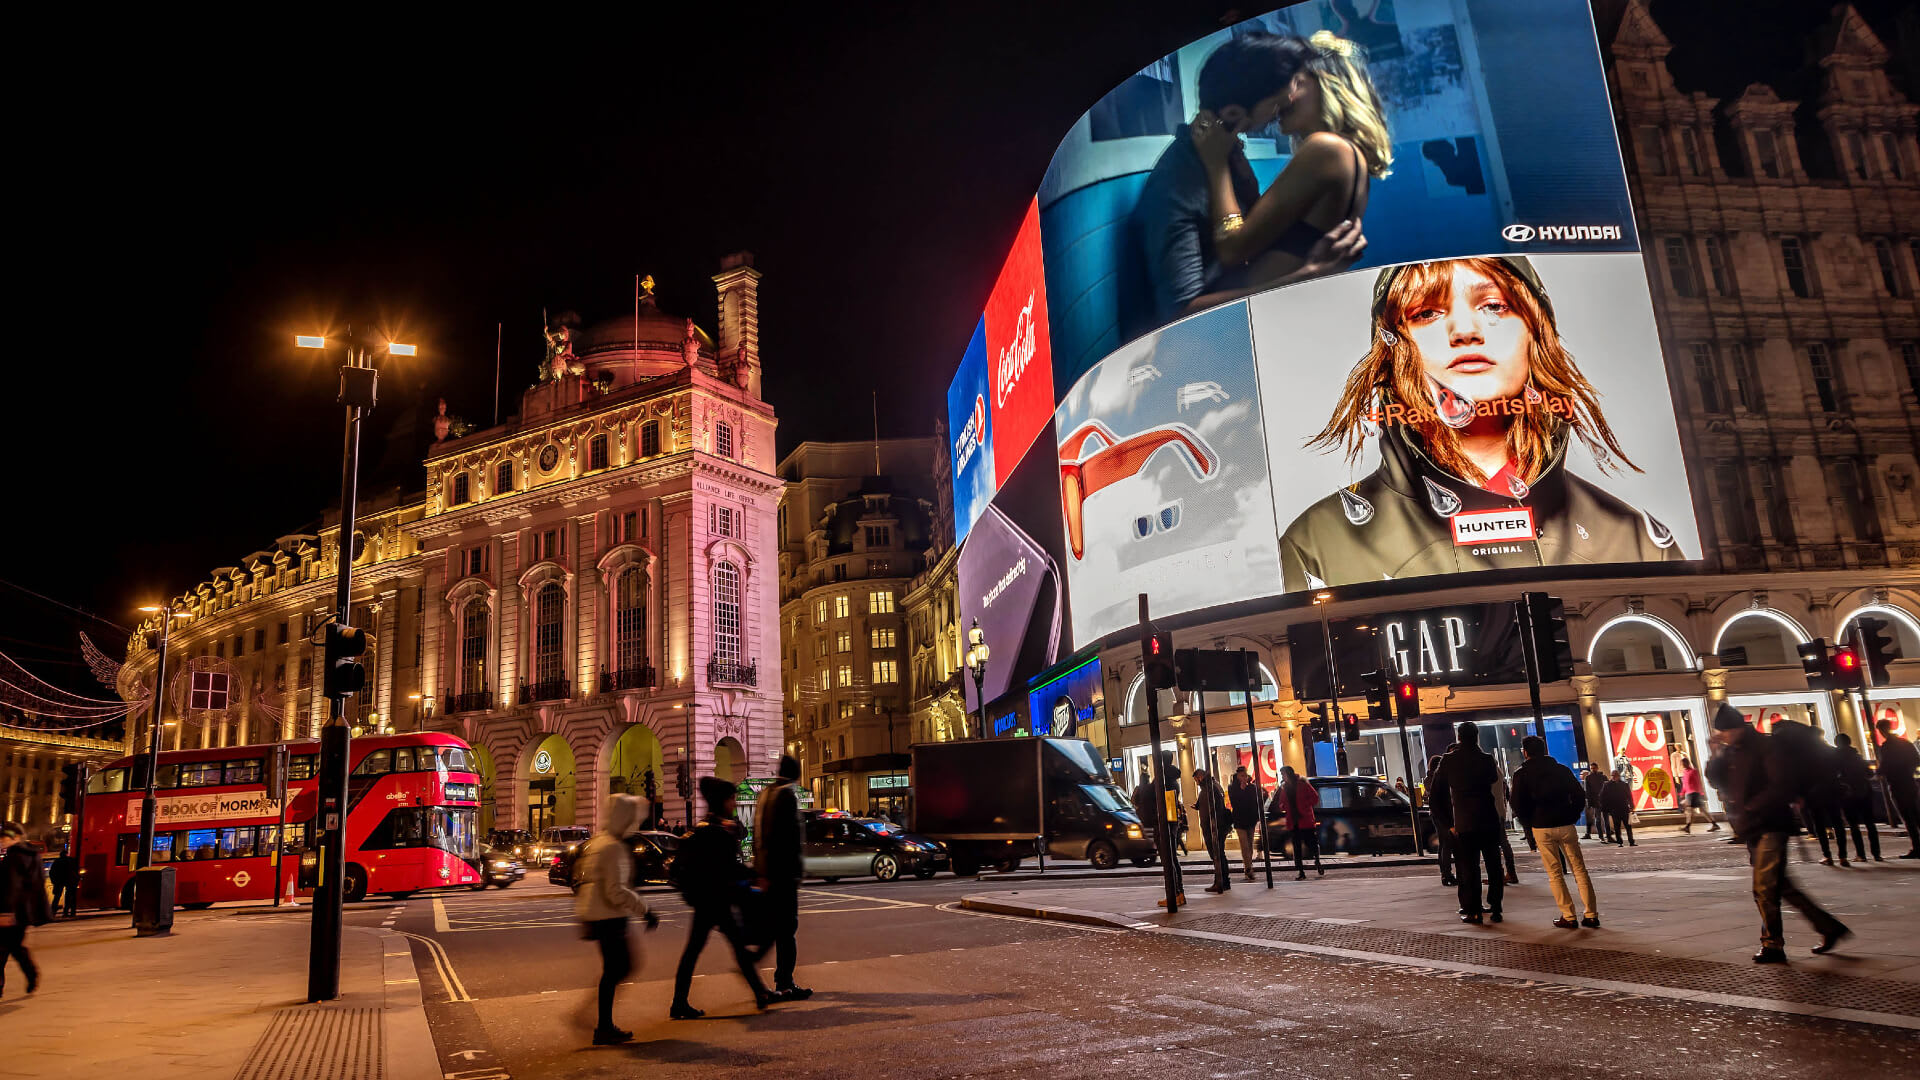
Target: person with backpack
<point>23,902</point>
<point>712,879</point>
<point>604,899</point>
<point>1759,775</point>
<point>1548,799</point>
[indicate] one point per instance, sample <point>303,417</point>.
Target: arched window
<point>548,604</point>
<point>1759,638</point>
<point>630,621</point>
<point>726,613</point>
<point>474,623</point>
<point>1638,643</point>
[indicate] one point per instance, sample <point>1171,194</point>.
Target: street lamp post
<point>977,656</point>
<point>359,390</point>
<point>1334,721</point>
<point>149,804</point>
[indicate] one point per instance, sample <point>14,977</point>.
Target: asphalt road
<point>906,986</point>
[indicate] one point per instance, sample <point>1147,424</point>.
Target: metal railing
<point>471,701</point>
<point>546,690</point>
<point>733,672</point>
<point>643,677</point>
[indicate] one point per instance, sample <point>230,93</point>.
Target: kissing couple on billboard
<point>1211,235</point>
<point>1463,485</point>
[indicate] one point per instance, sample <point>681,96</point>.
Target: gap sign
<point>1467,645</point>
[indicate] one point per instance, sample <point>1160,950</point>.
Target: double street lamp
<point>359,389</point>
<point>149,804</point>
<point>977,654</point>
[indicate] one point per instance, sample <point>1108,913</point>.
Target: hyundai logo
<point>1517,234</point>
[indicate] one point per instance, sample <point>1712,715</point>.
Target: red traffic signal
<point>1848,672</point>
<point>1406,699</point>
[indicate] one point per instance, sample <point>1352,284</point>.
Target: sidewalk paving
<point>222,996</point>
<point>1686,932</point>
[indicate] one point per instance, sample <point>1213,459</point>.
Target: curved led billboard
<point>1327,299</point>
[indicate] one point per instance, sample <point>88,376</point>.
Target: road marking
<point>440,924</point>
<point>456,990</point>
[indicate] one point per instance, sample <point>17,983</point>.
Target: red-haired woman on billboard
<point>1329,109</point>
<point>1474,400</point>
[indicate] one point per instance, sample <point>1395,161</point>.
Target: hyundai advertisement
<point>1327,300</point>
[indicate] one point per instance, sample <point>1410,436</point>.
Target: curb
<point>410,1051</point>
<point>1052,914</point>
<point>1080,873</point>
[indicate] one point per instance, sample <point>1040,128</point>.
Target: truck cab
<point>994,802</point>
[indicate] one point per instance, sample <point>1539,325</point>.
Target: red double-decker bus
<point>412,821</point>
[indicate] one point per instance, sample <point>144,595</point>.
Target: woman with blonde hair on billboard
<point>1329,109</point>
<point>1473,400</point>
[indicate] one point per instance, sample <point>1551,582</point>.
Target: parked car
<point>498,868</point>
<point>1361,815</point>
<point>549,843</point>
<point>839,846</point>
<point>652,859</point>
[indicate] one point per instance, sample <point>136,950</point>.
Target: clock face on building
<point>549,457</point>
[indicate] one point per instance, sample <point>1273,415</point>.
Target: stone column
<point>1593,726</point>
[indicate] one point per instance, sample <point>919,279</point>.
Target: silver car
<point>838,847</point>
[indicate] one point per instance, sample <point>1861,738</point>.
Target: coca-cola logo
<point>1016,356</point>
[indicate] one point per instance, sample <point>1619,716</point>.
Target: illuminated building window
<point>885,671</point>
<point>880,602</point>
<point>597,452</point>
<point>847,709</point>
<point>650,438</point>
<point>630,619</point>
<point>726,613</point>
<point>820,612</point>
<point>841,608</point>
<point>845,675</point>
<point>723,439</point>
<point>503,478</point>
<point>473,648</point>
<point>879,536</point>
<point>462,489</point>
<point>549,604</point>
<point>720,520</point>
<point>843,641</point>
<point>882,637</point>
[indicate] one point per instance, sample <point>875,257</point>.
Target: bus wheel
<point>198,905</point>
<point>353,886</point>
<point>400,895</point>
<point>126,896</point>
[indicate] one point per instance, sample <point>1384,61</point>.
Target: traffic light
<point>1351,727</point>
<point>1547,617</point>
<point>683,780</point>
<point>1406,699</point>
<point>1815,663</point>
<point>1877,643</point>
<point>70,788</point>
<point>1161,674</point>
<point>1318,730</point>
<point>1379,697</point>
<point>345,675</point>
<point>1848,672</point>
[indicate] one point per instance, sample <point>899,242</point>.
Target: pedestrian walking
<point>23,902</point>
<point>1463,802</point>
<point>1548,799</point>
<point>1898,760</point>
<point>1211,804</point>
<point>1297,805</point>
<point>713,881</point>
<point>1506,843</point>
<point>1243,801</point>
<point>604,899</point>
<point>1443,837</point>
<point>1596,784</point>
<point>64,875</point>
<point>1818,767</point>
<point>1757,775</point>
<point>778,866</point>
<point>1616,802</point>
<point>1856,796</point>
<point>1693,796</point>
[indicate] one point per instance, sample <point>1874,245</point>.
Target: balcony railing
<point>643,677</point>
<point>732,672</point>
<point>546,690</point>
<point>471,701</point>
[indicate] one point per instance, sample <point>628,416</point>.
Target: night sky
<point>198,193</point>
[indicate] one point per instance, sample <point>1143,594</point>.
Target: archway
<point>1902,627</point>
<point>483,764</point>
<point>637,765</point>
<point>547,778</point>
<point>1632,643</point>
<point>1758,638</point>
<point>730,760</point>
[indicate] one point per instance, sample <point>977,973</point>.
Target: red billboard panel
<point>1019,351</point>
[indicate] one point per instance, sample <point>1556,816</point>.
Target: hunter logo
<point>1490,526</point>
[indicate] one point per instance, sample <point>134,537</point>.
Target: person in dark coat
<point>1820,809</point>
<point>1898,760</point>
<point>1211,804</point>
<point>1463,803</point>
<point>1616,802</point>
<point>23,902</point>
<point>712,879</point>
<point>778,866</point>
<point>1442,836</point>
<point>1547,800</point>
<point>1596,783</point>
<point>1856,797</point>
<point>64,874</point>
<point>1243,802</point>
<point>1756,773</point>
<point>1296,805</point>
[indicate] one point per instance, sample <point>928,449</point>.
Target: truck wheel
<point>963,866</point>
<point>353,884</point>
<point>1102,855</point>
<point>1007,866</point>
<point>886,867</point>
<point>1143,860</point>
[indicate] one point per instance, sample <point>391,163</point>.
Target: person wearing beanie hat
<point>712,879</point>
<point>1756,773</point>
<point>778,866</point>
<point>1475,402</point>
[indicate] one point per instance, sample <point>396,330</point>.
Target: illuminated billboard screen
<point>1244,407</point>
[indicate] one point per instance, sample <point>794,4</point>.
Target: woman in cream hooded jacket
<point>604,899</point>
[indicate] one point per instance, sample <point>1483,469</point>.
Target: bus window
<point>264,838</point>
<point>199,844</point>
<point>236,843</point>
<point>374,764</point>
<point>403,758</point>
<point>107,781</point>
<point>162,847</point>
<point>242,772</point>
<point>124,851</point>
<point>457,759</point>
<point>296,838</point>
<point>200,774</point>
<point>302,766</point>
<point>454,832</point>
<point>167,776</point>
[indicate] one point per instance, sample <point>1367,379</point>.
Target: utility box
<point>153,901</point>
